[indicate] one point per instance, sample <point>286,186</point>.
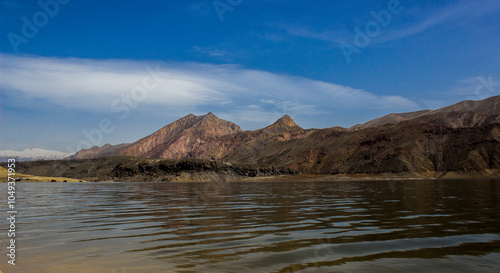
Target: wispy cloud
<point>452,13</point>
<point>210,51</point>
<point>477,88</point>
<point>417,21</point>
<point>471,88</point>
<point>229,90</point>
<point>327,35</point>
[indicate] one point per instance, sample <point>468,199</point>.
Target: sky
<point>75,73</point>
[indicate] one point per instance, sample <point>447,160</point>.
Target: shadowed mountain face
<point>461,137</point>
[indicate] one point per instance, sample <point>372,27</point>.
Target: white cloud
<point>229,90</point>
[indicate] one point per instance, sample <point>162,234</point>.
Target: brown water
<point>372,226</point>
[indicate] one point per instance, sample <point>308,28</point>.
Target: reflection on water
<point>410,226</point>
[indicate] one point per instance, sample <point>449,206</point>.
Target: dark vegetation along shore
<point>462,140</point>
<point>124,168</point>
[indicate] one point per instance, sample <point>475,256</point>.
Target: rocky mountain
<point>404,147</point>
<point>460,115</point>
<point>255,146</point>
<point>182,138</point>
<point>179,139</point>
<point>464,137</point>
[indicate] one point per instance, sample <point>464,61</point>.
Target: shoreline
<point>129,169</point>
<point>494,174</point>
<point>216,177</point>
<point>35,178</point>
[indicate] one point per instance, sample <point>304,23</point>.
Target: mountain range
<point>463,137</point>
<point>32,154</point>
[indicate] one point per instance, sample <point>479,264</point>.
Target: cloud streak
<point>230,90</point>
<point>451,13</point>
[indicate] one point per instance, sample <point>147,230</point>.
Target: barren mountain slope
<point>181,138</point>
<point>459,115</point>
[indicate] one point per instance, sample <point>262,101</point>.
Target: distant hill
<point>462,137</point>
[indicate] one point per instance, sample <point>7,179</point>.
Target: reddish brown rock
<point>181,138</point>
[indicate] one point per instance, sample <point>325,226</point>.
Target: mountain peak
<point>192,119</point>
<point>285,121</point>
<point>210,116</point>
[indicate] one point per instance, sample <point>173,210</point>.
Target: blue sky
<point>135,66</point>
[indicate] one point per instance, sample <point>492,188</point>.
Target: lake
<point>357,226</point>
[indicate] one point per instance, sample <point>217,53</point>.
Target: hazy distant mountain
<point>32,154</point>
<point>461,137</point>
